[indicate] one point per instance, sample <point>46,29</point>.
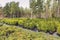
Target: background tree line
<point>45,8</point>
<point>38,9</point>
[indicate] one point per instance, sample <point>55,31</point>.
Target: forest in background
<point>38,9</point>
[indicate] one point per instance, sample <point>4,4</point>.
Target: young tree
<point>6,10</point>
<point>27,12</point>
<point>12,9</point>
<point>33,7</point>
<point>54,8</point>
<point>58,8</point>
<point>1,12</point>
<point>39,7</point>
<point>36,6</point>
<point>47,9</point>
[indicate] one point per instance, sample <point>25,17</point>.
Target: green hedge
<point>45,25</point>
<point>11,21</point>
<point>17,33</point>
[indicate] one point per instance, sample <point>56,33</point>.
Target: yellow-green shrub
<point>17,33</point>
<point>29,24</point>
<point>42,26</point>
<point>58,28</point>
<point>51,26</point>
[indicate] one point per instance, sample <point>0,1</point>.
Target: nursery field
<point>30,20</point>
<point>17,33</point>
<point>29,29</point>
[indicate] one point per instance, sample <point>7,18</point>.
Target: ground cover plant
<point>17,33</point>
